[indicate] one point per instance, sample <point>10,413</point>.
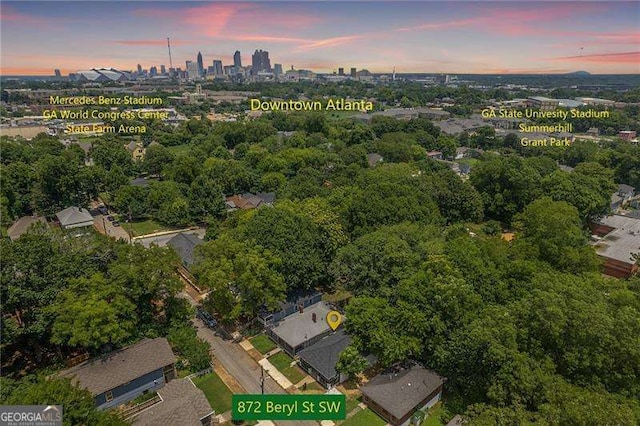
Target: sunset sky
<point>450,37</point>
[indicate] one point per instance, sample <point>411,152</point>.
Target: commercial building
<point>260,62</point>
<point>217,68</point>
<point>237,59</point>
<point>617,239</point>
<point>542,103</point>
<point>200,65</point>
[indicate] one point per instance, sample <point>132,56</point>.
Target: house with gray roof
<point>301,329</point>
<point>398,392</point>
<point>74,217</point>
<point>184,244</point>
<point>122,375</point>
<point>21,226</point>
<point>320,359</point>
<point>183,404</point>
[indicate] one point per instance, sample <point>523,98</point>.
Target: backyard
<point>217,393</point>
<point>282,362</point>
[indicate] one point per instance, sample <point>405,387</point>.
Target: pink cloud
<point>9,14</point>
<point>162,42</point>
<point>619,58</point>
<point>331,42</point>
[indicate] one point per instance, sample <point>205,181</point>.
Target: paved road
<point>241,366</point>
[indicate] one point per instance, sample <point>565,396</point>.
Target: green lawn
<point>313,388</point>
<point>144,227</point>
<point>282,362</point>
<point>179,149</point>
<point>433,416</point>
<point>364,417</point>
<point>352,403</point>
<point>263,343</point>
<point>217,393</point>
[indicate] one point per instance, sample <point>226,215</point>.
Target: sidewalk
<point>275,374</point>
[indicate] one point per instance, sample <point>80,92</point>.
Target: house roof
<point>140,181</point>
<point>184,244</point>
<point>399,390</point>
<point>626,188</point>
<point>373,159</point>
<point>621,243</point>
<point>299,327</point>
<point>324,354</point>
<point>182,404</point>
<point>249,200</point>
<point>73,215</point>
<point>116,368</point>
<point>21,225</point>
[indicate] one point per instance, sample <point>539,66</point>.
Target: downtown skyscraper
<point>237,60</point>
<point>260,61</point>
<point>200,65</point>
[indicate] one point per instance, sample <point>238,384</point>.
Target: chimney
<point>313,317</point>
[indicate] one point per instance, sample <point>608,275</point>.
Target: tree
<point>507,185</point>
<point>156,158</point>
<point>295,239</point>
<point>92,312</point>
<point>243,277</point>
<point>78,404</point>
<point>206,199</point>
<point>351,362</point>
<point>184,340</point>
<point>555,229</point>
<point>131,201</point>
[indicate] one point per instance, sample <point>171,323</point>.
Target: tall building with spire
<point>237,60</point>
<point>200,65</point>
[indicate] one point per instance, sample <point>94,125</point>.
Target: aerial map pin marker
<point>334,319</point>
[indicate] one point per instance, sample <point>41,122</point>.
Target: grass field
<point>144,227</point>
<point>313,388</point>
<point>282,362</point>
<point>179,149</point>
<point>263,343</point>
<point>364,417</point>
<point>352,403</point>
<point>217,393</point>
<point>433,416</point>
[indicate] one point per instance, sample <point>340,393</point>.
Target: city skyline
<point>431,37</point>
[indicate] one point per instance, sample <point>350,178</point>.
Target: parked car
<point>111,218</point>
<point>206,318</point>
<point>103,210</point>
<point>115,223</point>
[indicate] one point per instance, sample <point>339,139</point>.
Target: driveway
<point>105,227</point>
<point>241,366</point>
